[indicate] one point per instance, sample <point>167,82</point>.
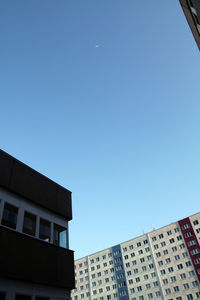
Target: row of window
<point>10,216</point>
<point>138,244</point>
<point>161,236</point>
<point>22,297</point>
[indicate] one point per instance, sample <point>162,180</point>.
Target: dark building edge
<point>24,181</point>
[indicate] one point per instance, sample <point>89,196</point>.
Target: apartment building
<point>162,264</point>
<point>35,260</point>
<point>191,9</point>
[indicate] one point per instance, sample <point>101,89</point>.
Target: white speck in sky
<point>97,46</point>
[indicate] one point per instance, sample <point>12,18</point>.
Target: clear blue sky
<point>102,96</point>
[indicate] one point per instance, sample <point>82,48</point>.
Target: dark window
<point>2,296</point>
<point>41,298</point>
<point>60,236</point>
<point>10,216</point>
<point>44,230</point>
<point>22,297</point>
<point>29,226</point>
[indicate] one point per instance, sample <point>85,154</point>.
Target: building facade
<point>191,9</point>
<point>162,264</point>
<point>35,260</point>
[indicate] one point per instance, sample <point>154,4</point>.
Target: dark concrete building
<point>35,260</point>
<point>191,10</point>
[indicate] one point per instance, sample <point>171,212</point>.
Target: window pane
<point>29,226</point>
<point>44,230</point>
<point>60,236</point>
<point>2,296</point>
<point>10,216</point>
<point>22,297</point>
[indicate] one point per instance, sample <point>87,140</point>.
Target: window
<point>188,264</point>
<point>141,297</point>
<point>82,296</point>
<point>160,263</point>
<point>168,260</point>
<point>186,226</point>
<point>198,294</point>
<point>2,296</point>
<point>29,225</point>
<point>22,297</point>
<point>169,232</point>
<point>147,249</point>
<point>144,268</point>
<point>148,286</point>
<point>145,242</point>
<point>111,262</point>
<point>142,259</point>
<point>137,279</point>
<point>179,237</point>
<point>174,249</point>
<point>130,281</point>
<point>146,277</point>
<point>173,278</point>
<point>153,274</point>
<point>165,252</point>
<point>132,291</point>
<point>135,271</point>
<point>168,291</point>
<point>107,288</point>
<point>180,266</point>
<point>139,244</point>
<point>125,249</point>
<point>183,276</point>
<point>171,241</point>
<point>188,234</point>
<point>140,252</point>
<point>60,236</point>
<point>44,233</point>
<point>189,297</point>
<point>162,272</point>
<point>196,222</point>
<point>105,265</point>
<point>101,290</point>
<point>150,296</point>
<point>186,286</point>
<point>184,254</point>
<point>148,257</point>
<point>156,246</point>
<point>165,281</point>
<point>158,254</point>
<point>139,288</point>
<point>170,269</point>
<point>129,273</point>
<point>176,230</point>
<point>195,251</point>
<point>132,254</point>
<point>163,244</point>
<point>126,256</point>
<point>155,284</point>
<point>158,294</point>
<point>131,247</point>
<point>197,261</point>
<point>192,243</point>
<point>9,218</point>
<point>97,259</point>
<point>182,246</point>
<point>134,262</point>
<point>161,236</point>
<point>195,283</point>
<point>191,273</point>
<point>176,289</point>
<point>154,238</point>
